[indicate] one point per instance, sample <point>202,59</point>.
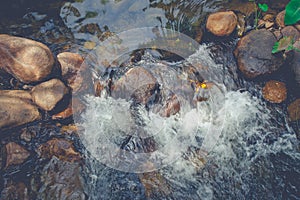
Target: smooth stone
<point>27,60</point>
<point>291,31</point>
<point>47,94</point>
<point>72,67</point>
<point>137,83</point>
<point>294,110</point>
<point>280,19</point>
<point>22,94</point>
<point>15,111</point>
<point>61,148</point>
<point>274,91</point>
<point>221,23</point>
<point>15,154</point>
<point>75,107</point>
<point>254,54</point>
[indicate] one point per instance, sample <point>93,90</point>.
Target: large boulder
<point>254,54</point>
<point>221,23</point>
<point>16,111</point>
<point>27,60</point>
<point>47,94</point>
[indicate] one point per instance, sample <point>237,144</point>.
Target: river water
<point>232,146</point>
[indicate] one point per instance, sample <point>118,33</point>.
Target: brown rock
<point>254,54</point>
<point>280,19</point>
<point>294,110</point>
<point>61,148</point>
<point>47,94</point>
<point>72,68</point>
<point>171,107</point>
<point>22,94</point>
<point>25,59</point>
<point>221,23</point>
<point>15,154</point>
<point>291,31</point>
<point>16,111</point>
<point>137,83</point>
<point>274,91</point>
<point>76,106</point>
<point>15,191</point>
<point>296,62</point>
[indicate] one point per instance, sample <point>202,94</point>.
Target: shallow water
<point>233,146</point>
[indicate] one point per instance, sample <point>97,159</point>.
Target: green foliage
<point>284,44</point>
<point>90,14</point>
<point>263,7</point>
<point>292,12</point>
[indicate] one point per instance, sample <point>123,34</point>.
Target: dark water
<point>257,155</point>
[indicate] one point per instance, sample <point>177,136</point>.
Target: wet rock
<point>61,180</point>
<point>22,94</point>
<point>274,91</point>
<point>291,31</point>
<point>254,54</point>
<point>76,106</point>
<point>137,83</point>
<point>15,191</point>
<point>280,19</point>
<point>171,107</point>
<point>16,111</point>
<point>294,110</point>
<point>61,148</point>
<point>71,64</point>
<point>27,60</point>
<point>15,154</point>
<point>47,94</point>
<point>296,63</point>
<point>221,23</point>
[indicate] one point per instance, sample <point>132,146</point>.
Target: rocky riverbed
<point>41,85</point>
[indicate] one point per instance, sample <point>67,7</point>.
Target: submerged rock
<point>15,191</point>
<point>27,60</point>
<point>15,154</point>
<point>294,110</point>
<point>274,91</point>
<point>221,23</point>
<point>15,111</point>
<point>60,148</point>
<point>47,94</point>
<point>137,83</point>
<point>75,107</point>
<point>254,54</point>
<point>61,180</point>
<point>71,65</point>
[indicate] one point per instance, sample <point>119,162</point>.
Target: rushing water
<point>232,146</point>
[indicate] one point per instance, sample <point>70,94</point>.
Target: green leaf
<point>284,43</point>
<point>292,12</point>
<point>264,7</point>
<point>90,14</point>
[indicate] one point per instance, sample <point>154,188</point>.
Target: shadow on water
<point>257,155</point>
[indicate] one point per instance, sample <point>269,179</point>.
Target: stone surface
<point>75,107</point>
<point>27,60</point>
<point>47,94</point>
<point>296,63</point>
<point>61,148</point>
<point>171,107</point>
<point>16,111</point>
<point>221,23</point>
<point>280,19</point>
<point>274,91</point>
<point>294,110</point>
<point>60,180</point>
<point>14,191</point>
<point>137,83</point>
<point>291,31</point>
<point>254,54</point>
<point>72,67</point>
<point>22,94</point>
<point>15,154</point>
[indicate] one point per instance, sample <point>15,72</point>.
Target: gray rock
<point>27,60</point>
<point>254,54</point>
